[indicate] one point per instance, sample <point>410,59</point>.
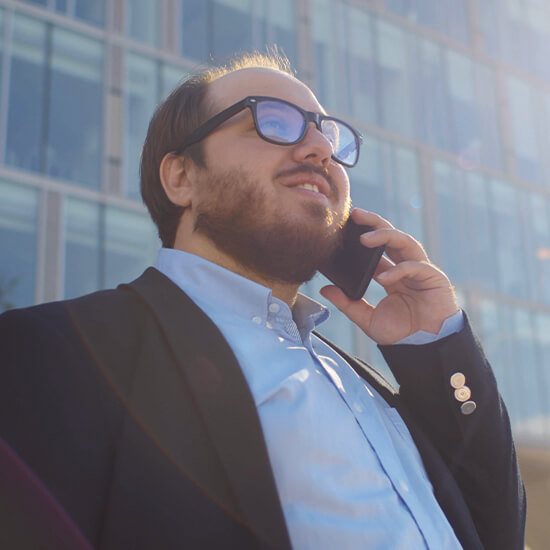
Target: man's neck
<point>203,247</point>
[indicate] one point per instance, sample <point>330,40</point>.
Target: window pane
<point>510,251</point>
<point>142,20</point>
<point>432,119</point>
<point>407,193</point>
<point>75,109</point>
<point>450,211</point>
<point>480,251</point>
<point>278,26</point>
<point>523,121</point>
<point>231,27</point>
<point>489,152</point>
<point>367,185</point>
<point>448,16</point>
<point>26,113</point>
<point>537,239</point>
<point>18,222</point>
<point>394,78</point>
<point>170,77</point>
<point>362,77</point>
<point>82,248</point>
<point>331,84</point>
<point>90,11</point>
<point>462,104</point>
<point>142,86</point>
<point>130,245</point>
<point>195,29</point>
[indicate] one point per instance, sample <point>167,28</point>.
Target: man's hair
<point>174,119</point>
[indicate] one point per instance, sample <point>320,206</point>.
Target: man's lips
<point>310,181</point>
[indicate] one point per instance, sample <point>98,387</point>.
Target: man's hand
<point>420,296</point>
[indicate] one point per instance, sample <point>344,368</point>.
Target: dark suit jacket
<point>130,418</point>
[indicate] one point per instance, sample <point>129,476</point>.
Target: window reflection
<point>195,35</point>
<point>408,198</point>
<point>142,20</point>
<point>448,17</point>
<point>141,98</point>
<point>231,26</point>
<point>55,110</point>
<point>104,246</point>
<point>536,214</point>
<point>523,121</point>
<point>481,246</point>
<point>450,212</point>
<point>394,78</point>
<point>130,245</point>
<point>510,251</point>
<point>362,78</point>
<point>82,273</point>
<point>24,142</point>
<point>75,109</point>
<point>89,11</point>
<point>430,93</point>
<point>18,225</point>
<point>368,185</point>
<point>330,57</point>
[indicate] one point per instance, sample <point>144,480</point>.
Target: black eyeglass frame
<point>252,101</point>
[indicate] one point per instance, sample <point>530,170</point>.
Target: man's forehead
<point>234,86</point>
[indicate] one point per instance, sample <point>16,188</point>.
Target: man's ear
<point>176,176</point>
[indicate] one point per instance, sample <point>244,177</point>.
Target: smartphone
<point>352,266</point>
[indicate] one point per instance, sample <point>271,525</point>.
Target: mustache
<point>309,169</point>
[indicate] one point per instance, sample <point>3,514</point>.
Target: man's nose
<point>314,148</point>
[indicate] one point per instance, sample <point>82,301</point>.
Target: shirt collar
<point>216,289</point>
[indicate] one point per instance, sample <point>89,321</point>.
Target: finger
<point>399,246</point>
<point>416,275</point>
<point>383,265</point>
<point>364,217</point>
<point>358,311</point>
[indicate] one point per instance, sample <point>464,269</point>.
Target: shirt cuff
<point>454,323</point>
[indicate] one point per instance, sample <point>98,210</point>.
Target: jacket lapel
<point>224,401</point>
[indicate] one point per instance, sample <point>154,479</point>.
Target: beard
<point>238,215</point>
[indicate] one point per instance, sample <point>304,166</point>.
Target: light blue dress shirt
<point>348,474</point>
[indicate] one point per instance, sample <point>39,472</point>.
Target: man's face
<point>254,199</point>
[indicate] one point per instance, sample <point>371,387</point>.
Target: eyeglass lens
<point>282,123</point>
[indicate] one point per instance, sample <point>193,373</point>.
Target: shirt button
<point>274,308</point>
<point>257,320</point>
<point>358,408</point>
<point>404,486</point>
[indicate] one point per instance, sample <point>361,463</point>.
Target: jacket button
<point>463,394</point>
<point>468,408</point>
<point>458,380</point>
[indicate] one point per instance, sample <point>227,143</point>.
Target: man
<point>195,407</point>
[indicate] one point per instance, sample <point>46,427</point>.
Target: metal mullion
<point>5,83</point>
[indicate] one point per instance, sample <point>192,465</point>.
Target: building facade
<point>453,100</point>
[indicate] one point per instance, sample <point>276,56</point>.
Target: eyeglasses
<point>283,123</point>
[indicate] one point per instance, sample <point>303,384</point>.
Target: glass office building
<point>452,97</point>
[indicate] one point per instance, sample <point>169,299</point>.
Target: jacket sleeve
<point>475,443</point>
